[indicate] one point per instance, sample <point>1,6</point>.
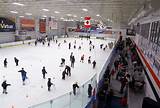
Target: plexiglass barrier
<point>69,100</point>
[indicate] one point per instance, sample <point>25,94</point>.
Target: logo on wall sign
<point>5,26</point>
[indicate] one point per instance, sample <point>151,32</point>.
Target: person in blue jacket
<point>24,75</point>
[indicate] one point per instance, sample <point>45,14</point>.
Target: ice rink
<point>32,58</point>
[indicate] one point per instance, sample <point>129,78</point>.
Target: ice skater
<point>82,58</point>
<point>71,56</point>
<point>89,60</point>
<point>74,41</point>
<point>43,42</point>
<point>72,61</point>
<point>94,64</point>
<point>74,46</point>
<point>89,90</point>
<point>59,44</point>
<point>5,62</point>
<point>79,47</point>
<point>44,72</point>
<point>49,84</point>
<point>62,62</point>
<point>90,42</point>
<point>101,45</point>
<point>93,46</point>
<point>64,74</point>
<point>16,61</point>
<point>35,43</point>
<point>23,75</point>
<point>68,70</point>
<point>56,41</point>
<point>4,86</point>
<point>75,85</point>
<point>90,48</point>
<point>48,44</point>
<point>69,45</point>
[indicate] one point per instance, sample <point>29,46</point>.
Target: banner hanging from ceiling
<point>7,25</point>
<point>27,24</point>
<point>42,25</point>
<point>87,23</point>
<point>52,24</point>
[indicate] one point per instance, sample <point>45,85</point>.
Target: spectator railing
<point>68,100</point>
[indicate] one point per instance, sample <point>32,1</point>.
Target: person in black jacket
<point>62,62</point>
<point>49,84</point>
<point>4,86</point>
<point>5,62</point>
<point>63,74</point>
<point>94,64</point>
<point>89,59</point>
<point>68,70</point>
<point>75,85</point>
<point>16,61</point>
<point>44,72</point>
<point>89,90</point>
<point>72,61</point>
<point>69,45</point>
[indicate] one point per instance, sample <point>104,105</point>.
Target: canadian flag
<point>87,23</point>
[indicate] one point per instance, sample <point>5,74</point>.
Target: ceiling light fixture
<point>61,18</point>
<point>75,16</point>
<point>97,15</point>
<point>45,10</point>
<point>56,12</point>
<point>85,9</point>
<point>19,4</point>
<point>28,13</point>
<point>21,16</point>
<point>44,16</point>
<point>69,14</point>
<point>81,17</point>
<point>14,12</point>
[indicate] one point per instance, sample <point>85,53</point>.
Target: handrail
<point>68,93</point>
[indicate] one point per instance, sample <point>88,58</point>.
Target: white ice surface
<point>32,59</point>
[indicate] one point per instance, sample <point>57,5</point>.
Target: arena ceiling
<point>118,11</point>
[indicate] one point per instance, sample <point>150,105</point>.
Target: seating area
<point>124,72</point>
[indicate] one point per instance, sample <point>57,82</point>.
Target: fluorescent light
<point>21,16</point>
<point>75,16</point>
<point>44,16</point>
<point>62,18</point>
<point>28,13</point>
<point>56,12</point>
<point>45,10</point>
<point>69,14</point>
<point>97,15</point>
<point>85,9</point>
<point>14,12</point>
<point>19,4</point>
